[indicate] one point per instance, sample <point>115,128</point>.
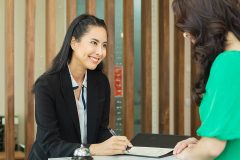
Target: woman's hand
<point>184,144</point>
<point>204,149</point>
<point>112,146</point>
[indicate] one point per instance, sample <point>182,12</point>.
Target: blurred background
<point>148,64</point>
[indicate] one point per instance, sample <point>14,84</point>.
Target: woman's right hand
<point>184,144</point>
<point>112,146</point>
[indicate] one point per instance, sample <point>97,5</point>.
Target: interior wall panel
<point>19,67</point>
<point>155,67</point>
<point>30,54</point>
<point>146,56</point>
<point>171,68</point>
<point>109,60</point>
<point>164,67</point>
<point>61,21</point>
<point>2,59</point>
<point>128,67</point>
<point>50,31</point>
<point>71,10</point>
<point>91,7</point>
<point>40,39</point>
<point>179,83</point>
<point>9,75</point>
<point>187,87</point>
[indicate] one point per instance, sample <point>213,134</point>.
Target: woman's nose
<point>99,50</point>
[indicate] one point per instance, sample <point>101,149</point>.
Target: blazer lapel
<point>92,97</point>
<point>68,94</point>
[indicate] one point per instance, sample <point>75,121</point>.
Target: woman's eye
<point>105,46</point>
<point>94,43</point>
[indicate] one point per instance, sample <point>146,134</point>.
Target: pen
<point>114,134</point>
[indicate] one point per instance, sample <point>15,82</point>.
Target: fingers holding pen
<point>112,146</point>
<point>121,142</point>
<point>121,138</point>
<point>125,140</point>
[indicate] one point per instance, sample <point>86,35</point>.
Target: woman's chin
<point>93,67</point>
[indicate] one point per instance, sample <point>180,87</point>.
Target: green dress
<point>220,107</point>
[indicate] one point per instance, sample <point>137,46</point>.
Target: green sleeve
<point>220,107</point>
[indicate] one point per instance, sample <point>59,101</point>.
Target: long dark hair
<point>209,22</point>
<point>77,29</point>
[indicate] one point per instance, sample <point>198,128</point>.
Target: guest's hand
<point>112,146</point>
<point>184,144</point>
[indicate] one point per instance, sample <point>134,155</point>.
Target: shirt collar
<point>85,80</point>
<point>75,84</point>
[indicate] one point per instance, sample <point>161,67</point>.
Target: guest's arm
<point>204,149</point>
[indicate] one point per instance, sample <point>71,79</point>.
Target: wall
<point>19,51</point>
<point>19,65</point>
<point>2,58</point>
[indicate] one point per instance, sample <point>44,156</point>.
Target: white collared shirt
<point>82,113</point>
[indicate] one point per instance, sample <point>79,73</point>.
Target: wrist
<point>92,149</point>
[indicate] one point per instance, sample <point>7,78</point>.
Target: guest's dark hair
<point>208,21</point>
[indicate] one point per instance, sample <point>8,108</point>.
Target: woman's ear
<point>186,35</point>
<point>189,36</point>
<point>73,43</point>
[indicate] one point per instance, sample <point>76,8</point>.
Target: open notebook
<point>149,151</point>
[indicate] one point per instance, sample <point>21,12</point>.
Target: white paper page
<point>148,151</point>
<point>120,157</point>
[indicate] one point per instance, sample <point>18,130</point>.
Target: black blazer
<point>58,129</point>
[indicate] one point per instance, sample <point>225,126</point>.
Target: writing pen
<point>114,134</point>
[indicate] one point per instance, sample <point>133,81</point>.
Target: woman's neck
<point>77,71</point>
<point>232,42</point>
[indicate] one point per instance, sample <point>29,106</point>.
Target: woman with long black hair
<point>213,26</point>
<point>72,98</point>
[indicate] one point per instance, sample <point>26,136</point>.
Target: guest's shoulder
<point>227,60</point>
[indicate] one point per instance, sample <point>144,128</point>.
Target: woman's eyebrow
<point>97,40</point>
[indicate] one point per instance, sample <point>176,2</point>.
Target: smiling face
<point>90,50</point>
